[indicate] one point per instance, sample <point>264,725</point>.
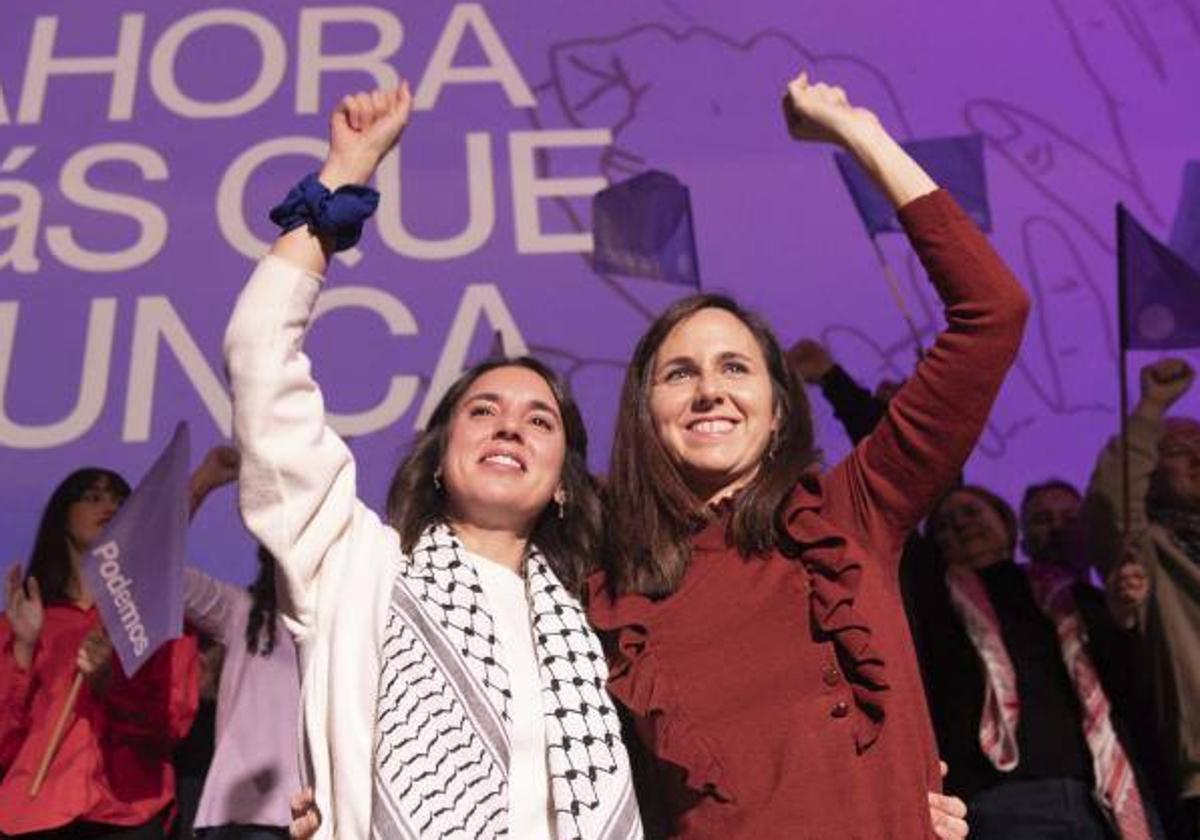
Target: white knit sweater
<point>297,489</point>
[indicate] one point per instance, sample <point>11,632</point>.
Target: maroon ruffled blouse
<point>779,697</point>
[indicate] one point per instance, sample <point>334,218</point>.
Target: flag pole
<point>894,286</point>
<point>1123,376</point>
<point>1126,512</point>
<point>56,735</point>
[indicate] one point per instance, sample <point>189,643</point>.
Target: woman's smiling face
<point>712,403</point>
<point>505,449</point>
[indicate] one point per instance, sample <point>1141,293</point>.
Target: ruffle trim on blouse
<point>638,681</point>
<point>834,575</point>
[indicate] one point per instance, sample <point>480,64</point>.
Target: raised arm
<point>856,408</point>
<point>208,603</point>
<point>1110,546</point>
<point>212,604</point>
<point>898,471</point>
<point>297,480</point>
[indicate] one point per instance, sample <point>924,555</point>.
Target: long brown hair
<point>571,543</point>
<point>50,560</point>
<point>652,513</point>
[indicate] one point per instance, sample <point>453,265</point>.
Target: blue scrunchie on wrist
<point>336,216</point>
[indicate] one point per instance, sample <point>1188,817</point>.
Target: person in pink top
<point>255,759</point>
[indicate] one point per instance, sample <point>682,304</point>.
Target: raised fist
<point>809,360</point>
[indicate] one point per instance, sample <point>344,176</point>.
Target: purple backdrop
<point>143,143</point>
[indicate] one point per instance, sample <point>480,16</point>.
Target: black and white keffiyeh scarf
<point>442,714</point>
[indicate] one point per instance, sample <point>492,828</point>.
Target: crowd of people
<point>723,638</point>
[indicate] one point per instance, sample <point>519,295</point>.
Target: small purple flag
<point>1160,292</point>
<point>135,570</point>
<point>956,163</point>
<point>642,227</point>
<point>1185,233</point>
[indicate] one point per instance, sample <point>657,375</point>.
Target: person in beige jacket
<point>1153,564</point>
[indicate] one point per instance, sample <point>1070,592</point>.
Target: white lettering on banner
<point>479,299</point>
<point>120,590</point>
<point>312,62</point>
<point>156,319</point>
<point>92,387</point>
<point>271,47</point>
<point>401,389</point>
<point>529,188</point>
<point>481,206</point>
<point>231,217</point>
<point>156,322</point>
<point>466,20</point>
<point>151,220</point>
<point>42,64</point>
<point>500,69</point>
<point>4,117</point>
<point>25,219</point>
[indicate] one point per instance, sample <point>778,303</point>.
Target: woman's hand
<point>1163,383</point>
<point>94,660</point>
<point>822,113</point>
<point>306,819</point>
<point>219,467</point>
<point>23,609</point>
<point>1128,590</point>
<point>948,813</point>
<point>809,361</point>
<point>362,129</point>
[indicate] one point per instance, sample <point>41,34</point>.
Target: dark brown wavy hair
<point>50,560</point>
<point>571,544</point>
<point>652,512</point>
<point>261,622</point>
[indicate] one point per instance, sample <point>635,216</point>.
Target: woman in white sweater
<point>451,685</point>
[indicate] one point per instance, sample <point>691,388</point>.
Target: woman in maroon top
<point>751,603</point>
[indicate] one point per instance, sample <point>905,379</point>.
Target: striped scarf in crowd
<point>1116,787</point>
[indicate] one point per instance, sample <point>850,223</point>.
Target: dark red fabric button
<point>831,675</point>
<point>840,709</point>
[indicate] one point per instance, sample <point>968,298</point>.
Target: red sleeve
<point>891,479</point>
<point>160,701</point>
<point>16,694</point>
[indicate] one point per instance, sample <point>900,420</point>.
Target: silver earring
<point>562,508</point>
<point>437,479</point>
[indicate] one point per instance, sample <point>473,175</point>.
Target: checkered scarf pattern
<point>442,732</point>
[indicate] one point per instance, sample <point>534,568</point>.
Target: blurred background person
<point>112,776</point>
<point>1015,661</point>
<point>1161,544</point>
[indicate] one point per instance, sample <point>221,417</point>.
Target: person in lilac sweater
<point>255,763</point>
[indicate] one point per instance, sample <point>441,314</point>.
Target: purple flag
<point>956,163</point>
<point>1185,233</point>
<point>1160,292</point>
<point>135,570</point>
<point>642,227</point>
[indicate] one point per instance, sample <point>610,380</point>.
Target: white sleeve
<point>297,485</point>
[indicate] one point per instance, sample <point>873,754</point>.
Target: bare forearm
<point>1150,409</point>
<point>899,176</point>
